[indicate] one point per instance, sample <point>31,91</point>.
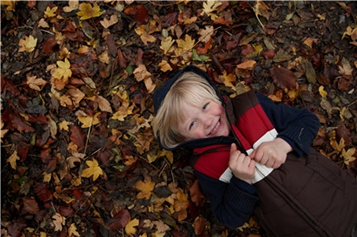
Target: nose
<point>207,121</point>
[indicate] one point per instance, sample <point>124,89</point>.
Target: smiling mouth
<point>214,130</point>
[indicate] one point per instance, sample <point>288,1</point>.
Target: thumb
<point>233,147</point>
<point>252,155</point>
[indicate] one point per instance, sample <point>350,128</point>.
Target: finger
<point>233,147</point>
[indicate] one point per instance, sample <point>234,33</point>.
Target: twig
<point>89,130</point>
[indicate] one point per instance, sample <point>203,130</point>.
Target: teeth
<point>215,128</point>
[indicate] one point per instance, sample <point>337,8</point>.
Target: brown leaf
<point>283,77</point>
<point>43,192</point>
<point>196,194</point>
<point>30,205</point>
<point>120,220</point>
<point>78,137</point>
<point>18,123</point>
<point>138,12</point>
<point>48,45</point>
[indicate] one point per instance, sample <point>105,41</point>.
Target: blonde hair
<point>191,89</point>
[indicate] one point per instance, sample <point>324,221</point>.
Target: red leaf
<point>29,206</point>
<point>77,193</point>
<point>48,45</point>
<point>78,137</point>
<point>119,220</point>
<point>138,12</point>
<point>139,57</point>
<point>269,54</point>
<point>18,123</point>
<point>66,211</point>
<point>283,77</point>
<point>42,191</point>
<point>121,60</point>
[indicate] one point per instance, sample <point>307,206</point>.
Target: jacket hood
<point>160,94</point>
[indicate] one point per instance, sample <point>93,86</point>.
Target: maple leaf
<point>141,73</point>
<point>34,82</point>
<point>348,155</point>
<point>93,170</point>
<point>161,226</point>
<point>187,44</point>
<point>228,80</point>
<point>130,227</point>
<point>166,44</point>
<point>50,12</point>
<point>205,34</point>
<point>123,111</point>
<point>87,11</point>
<point>345,68</point>
<point>10,4</point>
<point>12,160</point>
<point>64,125</point>
<point>144,35</point>
<point>145,187</point>
<point>209,7</point>
<point>59,221</point>
<point>28,44</point>
<point>88,121</point>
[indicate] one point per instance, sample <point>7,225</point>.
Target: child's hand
<point>272,154</point>
<point>242,166</point>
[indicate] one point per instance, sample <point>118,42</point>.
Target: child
<point>255,156</point>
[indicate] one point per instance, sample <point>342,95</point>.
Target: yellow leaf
<point>347,155</point>
<point>87,11</point>
<point>166,44</point>
<point>337,146</point>
<point>345,68</point>
<point>144,35</point>
<point>322,91</point>
<point>72,230</point>
<point>88,121</point>
<point>186,44</point>
<point>93,170</point>
<point>10,4</point>
<point>34,82</point>
<point>12,160</point>
<point>146,188</point>
<point>28,44</point>
<point>50,12</point>
<point>123,111</point>
<point>63,71</point>
<point>165,66</point>
<point>228,80</point>
<point>130,227</point>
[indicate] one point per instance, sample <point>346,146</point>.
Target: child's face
<point>208,120</point>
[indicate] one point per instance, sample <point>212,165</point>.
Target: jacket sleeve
<point>232,203</point>
<point>296,126</point>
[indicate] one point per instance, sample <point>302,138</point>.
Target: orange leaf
<point>146,188</point>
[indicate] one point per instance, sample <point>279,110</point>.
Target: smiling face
<point>205,120</point>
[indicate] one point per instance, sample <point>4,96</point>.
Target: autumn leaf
<point>123,111</point>
<point>166,44</point>
<point>107,23</point>
<point>165,66</point>
<point>145,187</point>
<point>28,44</point>
<point>86,11</point>
<point>130,227</point>
<point>12,160</point>
<point>93,170</point>
<point>322,91</point>
<point>187,44</point>
<point>205,34</point>
<point>348,155</point>
<point>228,80</point>
<point>209,7</point>
<point>62,73</point>
<point>59,221</point>
<point>104,104</point>
<point>72,5</point>
<point>30,205</point>
<point>88,121</point>
<point>345,67</point>
<point>72,230</point>
<point>2,131</point>
<point>35,83</point>
<point>50,12</point>
<point>283,77</point>
<point>144,35</point>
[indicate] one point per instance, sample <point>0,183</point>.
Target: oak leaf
<point>93,170</point>
<point>72,5</point>
<point>130,227</point>
<point>88,11</point>
<point>12,160</point>
<point>59,221</point>
<point>28,44</point>
<point>145,187</point>
<point>35,83</point>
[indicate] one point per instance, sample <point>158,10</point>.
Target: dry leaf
<point>92,170</point>
<point>72,5</point>
<point>107,23</point>
<point>130,227</point>
<point>50,12</point>
<point>205,34</point>
<point>87,11</point>
<point>88,121</point>
<point>12,159</point>
<point>35,83</point>
<point>59,221</point>
<point>28,44</point>
<point>145,187</point>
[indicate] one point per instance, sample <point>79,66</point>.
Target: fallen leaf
<point>205,34</point>
<point>50,12</point>
<point>130,227</point>
<point>166,44</point>
<point>87,11</point>
<point>107,23</point>
<point>165,66</point>
<point>72,230</point>
<point>30,205</point>
<point>72,5</point>
<point>348,155</point>
<point>35,83</point>
<point>12,159</point>
<point>145,187</point>
<point>28,44</point>
<point>88,121</point>
<point>58,221</point>
<point>92,170</point>
<point>283,77</point>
